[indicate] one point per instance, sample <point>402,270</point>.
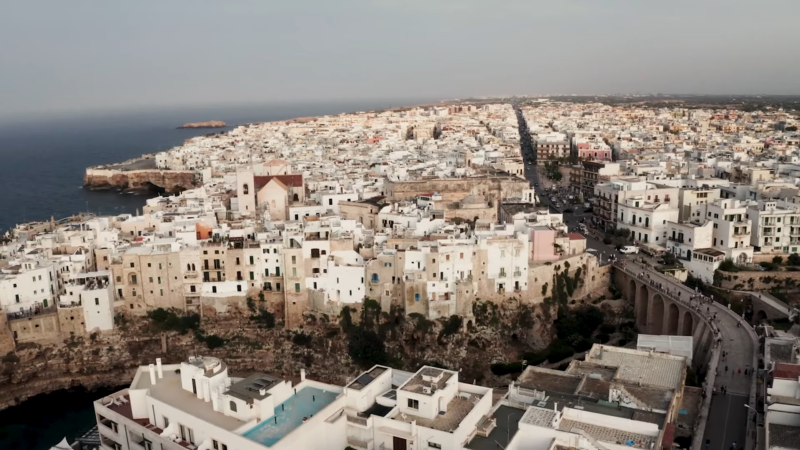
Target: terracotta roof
<point>576,237</point>
<point>784,370</point>
<point>288,180</point>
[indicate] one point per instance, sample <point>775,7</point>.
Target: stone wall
<point>761,281</point>
<point>71,322</point>
<point>42,328</point>
<point>453,190</point>
<point>172,181</point>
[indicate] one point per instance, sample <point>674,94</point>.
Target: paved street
<point>727,422</point>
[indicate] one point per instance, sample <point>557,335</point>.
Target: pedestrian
<point>726,369</point>
<point>739,370</point>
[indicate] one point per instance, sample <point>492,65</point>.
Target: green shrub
<point>607,328</point>
<point>169,320</point>
<point>794,259</point>
<point>264,319</point>
<point>777,260</point>
<point>501,369</point>
<point>302,339</point>
<point>213,341</point>
<point>559,353</point>
<point>622,342</point>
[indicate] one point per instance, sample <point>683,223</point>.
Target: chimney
<point>158,368</point>
<point>302,375</point>
<point>152,374</point>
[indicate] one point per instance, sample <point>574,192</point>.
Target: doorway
<point>398,443</point>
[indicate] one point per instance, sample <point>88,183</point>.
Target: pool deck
<point>297,407</point>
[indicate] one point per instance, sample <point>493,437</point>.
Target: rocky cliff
<point>171,181</point>
<point>323,346</point>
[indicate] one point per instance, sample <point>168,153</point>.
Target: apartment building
<point>195,404</point>
<point>647,219</point>
<point>28,285</point>
<point>775,226</point>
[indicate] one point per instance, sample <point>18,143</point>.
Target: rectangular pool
<point>307,402</point>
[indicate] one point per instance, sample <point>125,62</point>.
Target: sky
<point>67,56</point>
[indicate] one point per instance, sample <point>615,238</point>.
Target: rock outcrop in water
<point>209,124</point>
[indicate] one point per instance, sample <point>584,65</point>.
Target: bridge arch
<point>642,305</point>
<point>656,314</point>
<point>688,324</point>
<point>672,319</point>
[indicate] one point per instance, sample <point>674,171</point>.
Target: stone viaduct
<point>661,313</point>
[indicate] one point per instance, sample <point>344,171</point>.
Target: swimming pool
<point>307,402</point>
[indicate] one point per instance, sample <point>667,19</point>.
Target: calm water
<point>42,421</point>
<point>41,173</point>
<point>42,163</point>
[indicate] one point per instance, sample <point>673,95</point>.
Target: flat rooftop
<point>457,410</point>
<point>420,380</point>
<point>540,379</point>
<point>507,424</point>
<point>611,435</point>
<point>169,391</point>
<point>649,368</point>
<point>784,436</point>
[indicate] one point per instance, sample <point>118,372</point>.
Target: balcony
<point>191,274</point>
<point>32,312</point>
<point>676,239</point>
<point>517,273</point>
<point>360,444</point>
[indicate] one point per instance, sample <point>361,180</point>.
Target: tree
<point>794,259</point>
<point>777,260</point>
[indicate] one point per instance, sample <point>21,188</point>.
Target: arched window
<point>192,267</point>
<point>189,267</point>
<point>296,198</point>
<point>374,277</point>
<point>245,189</point>
<point>233,406</point>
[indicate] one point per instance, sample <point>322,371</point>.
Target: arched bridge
<point>663,309</point>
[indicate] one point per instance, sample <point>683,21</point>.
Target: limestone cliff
<point>494,334</point>
<point>171,181</point>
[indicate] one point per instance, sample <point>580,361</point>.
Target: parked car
<point>629,249</point>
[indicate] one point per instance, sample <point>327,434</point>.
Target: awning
<point>393,432</point>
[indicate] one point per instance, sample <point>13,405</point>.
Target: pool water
<point>307,402</point>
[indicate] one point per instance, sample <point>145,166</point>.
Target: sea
<point>42,163</point>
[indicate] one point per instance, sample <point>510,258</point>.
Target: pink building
<point>587,152</point>
<point>542,244</point>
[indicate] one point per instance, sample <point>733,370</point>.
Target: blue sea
<point>42,163</point>
<point>42,160</point>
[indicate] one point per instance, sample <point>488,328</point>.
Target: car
<point>629,249</point>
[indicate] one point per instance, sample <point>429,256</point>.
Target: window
<point>252,276</point>
<point>97,301</point>
<point>278,287</point>
<point>294,259</point>
<point>251,260</point>
<point>416,297</point>
<point>131,264</point>
<point>233,406</point>
<point>239,288</point>
<point>214,289</point>
<point>413,404</point>
<point>434,445</point>
<point>192,288</point>
<point>375,278</point>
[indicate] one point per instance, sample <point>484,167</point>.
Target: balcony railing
<point>32,312</point>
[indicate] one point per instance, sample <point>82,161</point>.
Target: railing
<point>64,305</point>
<point>676,239</point>
<point>359,420</point>
<point>32,312</point>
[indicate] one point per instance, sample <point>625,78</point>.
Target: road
<point>594,238</point>
<point>728,416</point>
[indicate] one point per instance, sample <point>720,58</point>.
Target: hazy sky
<point>89,55</point>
